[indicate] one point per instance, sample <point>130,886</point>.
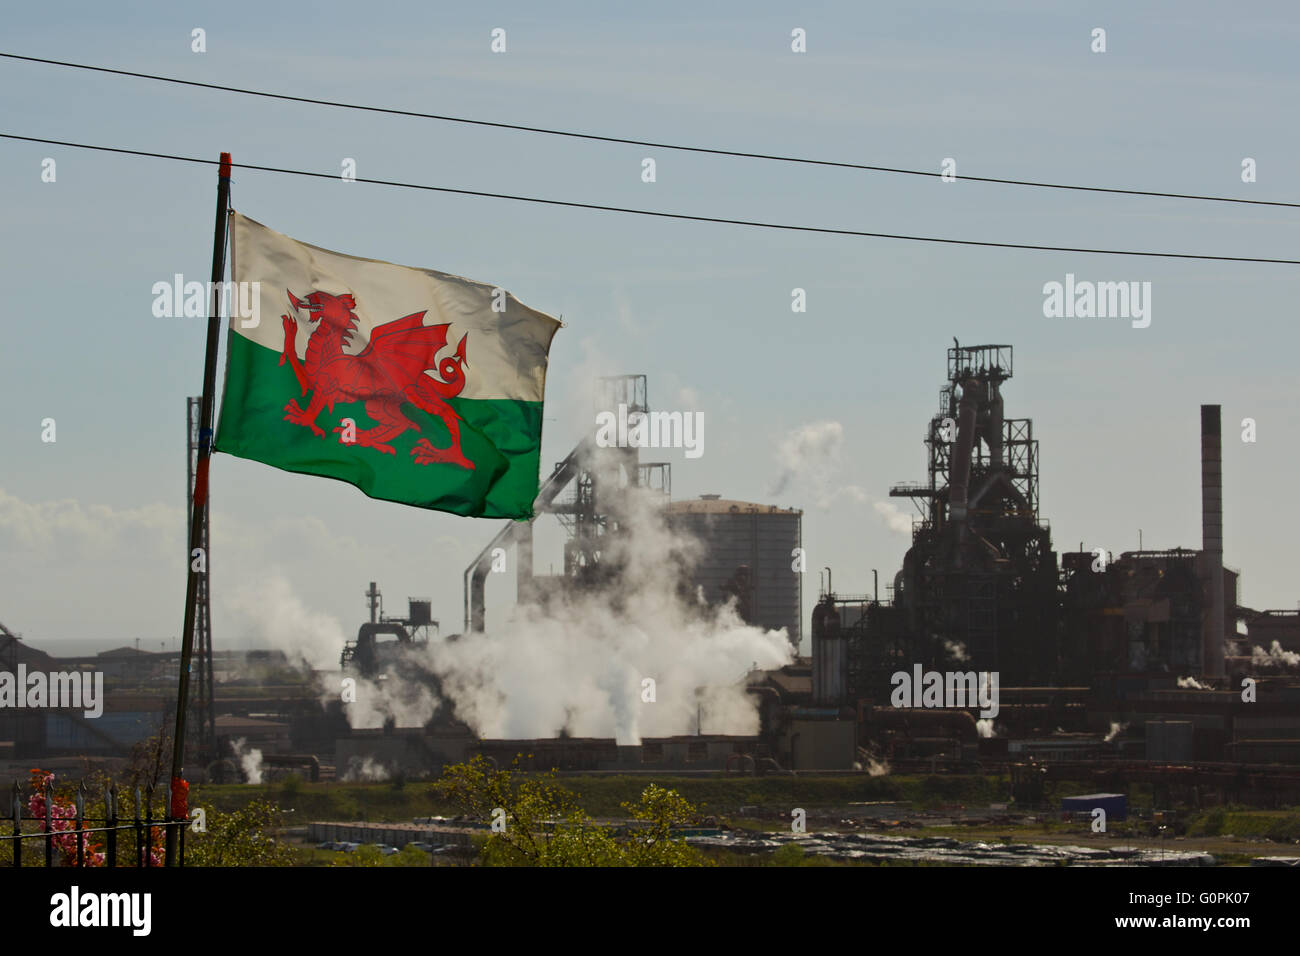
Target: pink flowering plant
<point>63,825</point>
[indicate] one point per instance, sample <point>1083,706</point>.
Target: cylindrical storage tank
<point>837,663</point>
<point>765,540</point>
<point>829,656</point>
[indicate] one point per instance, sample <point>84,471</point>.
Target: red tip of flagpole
<point>225,166</point>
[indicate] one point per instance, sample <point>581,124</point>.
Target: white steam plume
<point>250,759</point>
<point>403,698</point>
<point>366,769</point>
<point>895,520</point>
<point>580,665</point>
<point>985,727</point>
<point>1274,657</point>
<point>1116,728</point>
<point>270,611</point>
<point>809,458</point>
<point>1191,683</point>
<point>812,453</point>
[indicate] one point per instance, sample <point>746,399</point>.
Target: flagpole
<point>177,805</point>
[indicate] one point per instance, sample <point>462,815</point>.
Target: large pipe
<point>524,566</point>
<point>518,531</point>
<point>1212,537</point>
<point>905,587</point>
<point>476,576</point>
<point>819,648</point>
<point>993,436</point>
<point>962,448</point>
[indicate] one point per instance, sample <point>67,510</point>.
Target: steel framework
<point>203,702</point>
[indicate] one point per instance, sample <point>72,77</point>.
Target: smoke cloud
<point>1192,683</point>
<point>809,459</point>
<point>250,759</point>
<point>895,519</point>
<point>810,452</point>
<point>406,697</point>
<point>636,659</point>
<point>365,769</point>
<point>956,650</point>
<point>269,611</point>
<point>1274,658</point>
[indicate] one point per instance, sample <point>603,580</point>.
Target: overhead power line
<point>594,137</point>
<point>825,230</point>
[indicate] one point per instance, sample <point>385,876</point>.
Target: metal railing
<point>69,840</point>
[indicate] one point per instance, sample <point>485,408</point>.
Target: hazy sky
<point>92,536</point>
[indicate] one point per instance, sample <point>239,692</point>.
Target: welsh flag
<point>414,385</point>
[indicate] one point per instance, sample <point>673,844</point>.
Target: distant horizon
<point>88,648</point>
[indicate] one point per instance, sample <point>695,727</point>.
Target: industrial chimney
<point>1212,538</point>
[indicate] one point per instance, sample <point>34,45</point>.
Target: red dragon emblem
<point>386,374</point>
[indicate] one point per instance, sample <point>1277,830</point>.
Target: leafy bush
<point>1208,824</point>
<point>365,855</point>
<point>240,838</point>
<point>541,824</point>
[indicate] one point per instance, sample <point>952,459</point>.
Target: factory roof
<point>24,653</point>
<point>792,684</point>
<point>125,652</point>
<point>712,504</point>
<point>232,723</point>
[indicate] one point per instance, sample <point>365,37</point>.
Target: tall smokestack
<point>1212,538</point>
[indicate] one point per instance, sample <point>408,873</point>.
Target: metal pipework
<point>518,532</point>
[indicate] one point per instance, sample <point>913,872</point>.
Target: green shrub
<point>1209,823</point>
<point>792,854</point>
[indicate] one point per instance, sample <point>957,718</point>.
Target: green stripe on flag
<point>502,438</point>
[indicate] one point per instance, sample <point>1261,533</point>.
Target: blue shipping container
<point>1115,804</point>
